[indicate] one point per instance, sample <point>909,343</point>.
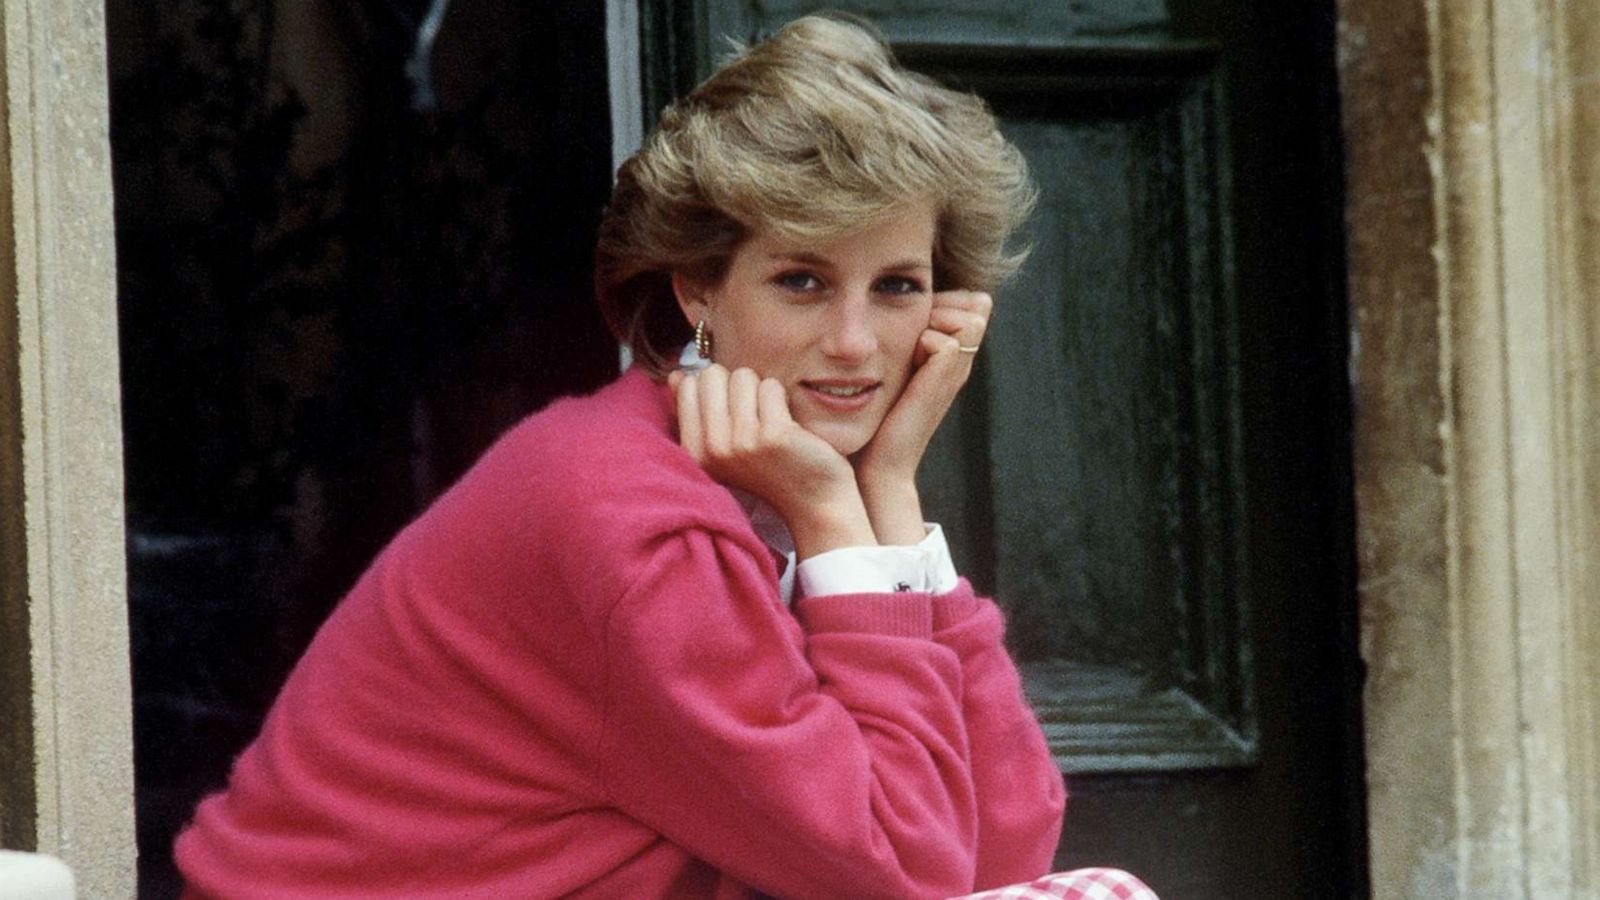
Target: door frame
<point>1471,132</point>
<point>66,732</point>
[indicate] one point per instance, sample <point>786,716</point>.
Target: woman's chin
<point>843,437</point>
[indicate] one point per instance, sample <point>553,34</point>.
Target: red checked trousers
<point>1079,884</point>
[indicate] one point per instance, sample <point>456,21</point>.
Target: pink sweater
<point>573,675</point>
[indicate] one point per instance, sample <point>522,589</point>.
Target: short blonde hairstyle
<point>809,134</point>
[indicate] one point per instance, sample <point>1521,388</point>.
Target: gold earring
<point>702,340</point>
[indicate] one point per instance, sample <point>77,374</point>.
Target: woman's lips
<point>844,395</point>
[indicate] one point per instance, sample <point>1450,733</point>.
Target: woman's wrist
<point>894,508</point>
<point>831,525</point>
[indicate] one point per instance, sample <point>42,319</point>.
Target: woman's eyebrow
<point>913,263</point>
<point>801,256</point>
<point>812,259</point>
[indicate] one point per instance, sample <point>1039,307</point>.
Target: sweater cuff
<point>956,606</point>
<point>895,615</point>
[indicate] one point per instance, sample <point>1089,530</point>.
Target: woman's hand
<point>886,468</point>
<point>738,428</point>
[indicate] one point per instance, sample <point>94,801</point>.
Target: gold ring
<point>972,349</point>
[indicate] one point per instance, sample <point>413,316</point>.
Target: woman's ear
<point>691,295</point>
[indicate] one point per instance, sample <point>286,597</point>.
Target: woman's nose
<point>850,337</point>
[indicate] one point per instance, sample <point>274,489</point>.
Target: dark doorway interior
<point>340,279</point>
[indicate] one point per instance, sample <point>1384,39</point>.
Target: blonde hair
<point>809,134</point>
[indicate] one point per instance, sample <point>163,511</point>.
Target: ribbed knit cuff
<point>956,606</point>
<point>896,615</point>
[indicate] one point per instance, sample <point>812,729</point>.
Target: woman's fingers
<point>937,343</point>
<point>946,369</point>
<point>722,413</point>
<point>772,403</point>
<point>964,314</point>
<point>929,394</point>
<point>738,428</point>
<point>715,430</point>
<point>965,326</point>
<point>744,424</point>
<point>971,301</point>
<point>958,319</point>
<point>897,448</point>
<point>688,390</point>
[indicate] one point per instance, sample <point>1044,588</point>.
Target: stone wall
<point>66,773</point>
<point>1471,132</point>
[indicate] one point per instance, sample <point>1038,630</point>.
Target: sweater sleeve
<point>1021,797</point>
<point>817,755</point>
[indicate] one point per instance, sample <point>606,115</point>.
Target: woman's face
<point>836,322</point>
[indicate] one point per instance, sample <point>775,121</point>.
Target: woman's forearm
<point>1021,796</point>
<point>842,721</point>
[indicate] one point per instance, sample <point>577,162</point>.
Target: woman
<point>692,638</point>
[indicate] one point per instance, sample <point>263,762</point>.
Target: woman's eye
<point>798,281</point>
<point>899,285</point>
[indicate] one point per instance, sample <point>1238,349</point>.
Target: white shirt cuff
<point>924,567</point>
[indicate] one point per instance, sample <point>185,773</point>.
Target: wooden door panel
<point>1123,472</point>
<point>1108,412</point>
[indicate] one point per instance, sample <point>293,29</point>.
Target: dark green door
<point>1149,470</point>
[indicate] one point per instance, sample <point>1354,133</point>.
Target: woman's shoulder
<point>609,460</point>
<point>603,488</point>
<point>631,415</point>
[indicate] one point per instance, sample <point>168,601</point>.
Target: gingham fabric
<point>1079,884</point>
